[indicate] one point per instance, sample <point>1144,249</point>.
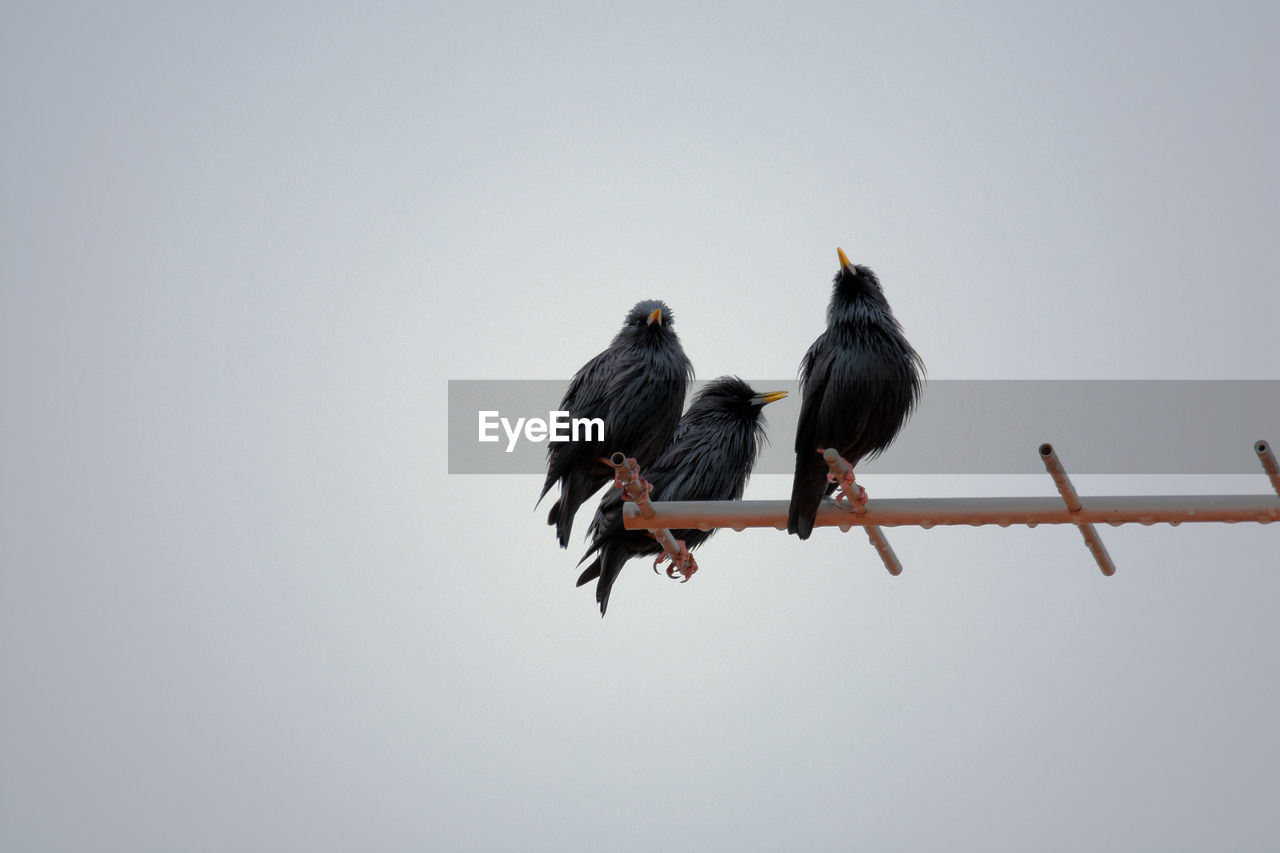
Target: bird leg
<point>848,488</point>
<point>682,563</point>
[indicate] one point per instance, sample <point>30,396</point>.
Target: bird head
<point>731,397</point>
<point>649,314</point>
<point>854,275</point>
<point>649,323</point>
<point>855,284</point>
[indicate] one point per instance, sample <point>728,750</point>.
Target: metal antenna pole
<point>1067,508</point>
<point>627,475</point>
<point>1269,464</point>
<point>972,512</point>
<point>1060,479</point>
<point>842,473</point>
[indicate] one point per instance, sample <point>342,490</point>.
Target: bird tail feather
<point>564,510</point>
<point>610,565</point>
<point>590,573</point>
<point>806,495</point>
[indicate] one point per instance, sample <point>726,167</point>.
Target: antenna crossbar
<point>1069,508</point>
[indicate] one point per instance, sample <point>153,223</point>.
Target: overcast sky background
<point>243,606</point>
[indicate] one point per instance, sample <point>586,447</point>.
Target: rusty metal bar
<point>1269,464</point>
<point>1090,533</point>
<point>842,471</point>
<point>628,474</point>
<point>973,512</point>
<point>1068,508</point>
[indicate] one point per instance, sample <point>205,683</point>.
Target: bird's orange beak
<point>656,317</point>
<point>770,397</point>
<point>844,259</point>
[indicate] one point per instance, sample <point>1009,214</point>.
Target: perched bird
<point>637,387</point>
<point>860,381</point>
<point>709,459</point>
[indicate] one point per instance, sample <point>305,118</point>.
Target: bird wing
<point>834,413</point>
<point>878,385</point>
<point>606,522</point>
<point>589,390</point>
<point>815,368</point>
<point>586,397</point>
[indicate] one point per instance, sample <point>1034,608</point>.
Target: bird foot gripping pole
<point>855,497</point>
<point>855,500</point>
<point>1072,500</point>
<point>682,564</point>
<point>626,476</point>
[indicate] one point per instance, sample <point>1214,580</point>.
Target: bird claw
<point>849,484</point>
<point>682,564</point>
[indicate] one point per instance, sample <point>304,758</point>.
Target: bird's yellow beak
<point>656,317</point>
<point>771,397</point>
<point>844,259</point>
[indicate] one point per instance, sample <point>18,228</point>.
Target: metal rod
<point>842,471</point>
<point>1269,464</point>
<point>630,480</point>
<point>974,512</point>
<point>1059,474</point>
<point>1093,542</point>
<point>884,549</point>
<point>628,474</point>
<point>1069,497</point>
<point>642,514</point>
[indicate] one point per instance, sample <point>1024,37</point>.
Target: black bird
<point>860,380</point>
<point>709,459</point>
<point>637,388</point>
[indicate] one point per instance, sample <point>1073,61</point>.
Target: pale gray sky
<point>243,606</point>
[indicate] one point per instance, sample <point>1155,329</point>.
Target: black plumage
<point>637,387</point>
<point>860,381</point>
<point>709,459</point>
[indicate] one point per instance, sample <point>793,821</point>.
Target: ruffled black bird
<point>710,459</point>
<point>637,388</point>
<point>860,380</point>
